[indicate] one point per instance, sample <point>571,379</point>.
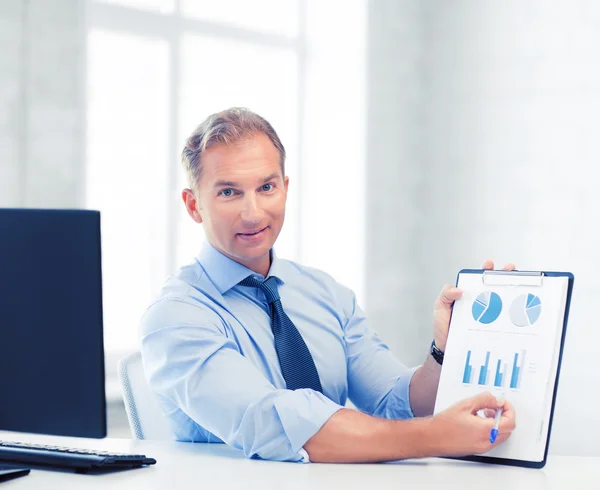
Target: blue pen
<point>494,432</point>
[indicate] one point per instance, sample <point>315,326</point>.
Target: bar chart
<point>499,368</point>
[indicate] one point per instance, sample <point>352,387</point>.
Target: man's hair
<point>225,128</point>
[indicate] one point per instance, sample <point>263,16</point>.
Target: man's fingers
<point>490,413</point>
<point>450,294</point>
<point>506,425</point>
<point>508,419</point>
<point>483,401</point>
<point>501,438</point>
<point>488,264</point>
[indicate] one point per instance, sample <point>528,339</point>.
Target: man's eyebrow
<point>271,177</point>
<point>230,183</point>
<point>225,183</point>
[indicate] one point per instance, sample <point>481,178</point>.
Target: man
<point>261,353</point>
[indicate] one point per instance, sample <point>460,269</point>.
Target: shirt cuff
<point>302,414</point>
<point>304,458</point>
<point>398,404</point>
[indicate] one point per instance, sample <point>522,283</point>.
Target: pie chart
<point>487,307</point>
<point>525,310</point>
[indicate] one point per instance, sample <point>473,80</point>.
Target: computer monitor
<point>51,342</point>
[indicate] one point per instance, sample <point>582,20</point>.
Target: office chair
<point>146,419</point>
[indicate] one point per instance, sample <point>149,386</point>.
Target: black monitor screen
<point>51,343</point>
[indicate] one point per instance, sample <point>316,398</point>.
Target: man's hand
<point>461,432</point>
<point>443,307</point>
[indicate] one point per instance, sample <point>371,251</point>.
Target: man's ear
<point>191,204</point>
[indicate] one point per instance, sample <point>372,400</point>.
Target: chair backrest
<point>146,419</point>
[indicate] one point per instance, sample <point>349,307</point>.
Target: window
<point>157,68</point>
<point>160,6</point>
<point>155,71</point>
<point>270,16</point>
<point>126,172</point>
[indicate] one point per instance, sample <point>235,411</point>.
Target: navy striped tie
<point>297,364</point>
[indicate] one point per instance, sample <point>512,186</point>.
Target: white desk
<point>215,466</point>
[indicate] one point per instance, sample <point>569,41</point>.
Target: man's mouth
<point>253,233</point>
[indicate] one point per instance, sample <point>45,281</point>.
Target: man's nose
<point>252,212</point>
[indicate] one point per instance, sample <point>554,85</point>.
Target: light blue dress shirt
<point>209,354</point>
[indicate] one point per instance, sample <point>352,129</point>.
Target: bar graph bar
<point>517,371</point>
<point>468,369</point>
<point>483,370</point>
<point>498,378</point>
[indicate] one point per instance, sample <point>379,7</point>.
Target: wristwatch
<point>437,354</point>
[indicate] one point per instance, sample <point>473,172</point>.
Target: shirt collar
<point>225,273</point>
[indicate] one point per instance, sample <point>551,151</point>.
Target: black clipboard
<point>529,278</point>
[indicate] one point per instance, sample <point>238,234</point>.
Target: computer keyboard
<point>81,460</point>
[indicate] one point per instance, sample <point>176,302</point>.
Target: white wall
<point>395,179</point>
<point>498,151</point>
<point>10,36</point>
<point>41,103</point>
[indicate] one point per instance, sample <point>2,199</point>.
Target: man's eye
<point>227,192</point>
<point>267,187</point>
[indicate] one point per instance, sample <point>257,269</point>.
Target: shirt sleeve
<point>189,359</point>
<point>378,383</point>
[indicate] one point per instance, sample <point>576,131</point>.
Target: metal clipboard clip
<point>513,278</point>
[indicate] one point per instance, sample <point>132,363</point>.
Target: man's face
<point>241,200</point>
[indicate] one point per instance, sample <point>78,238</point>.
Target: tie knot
<point>268,287</point>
